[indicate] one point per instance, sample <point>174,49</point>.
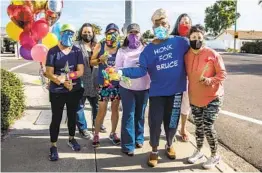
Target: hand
<point>103,59</point>
<point>205,81</point>
<point>68,85</point>
<point>61,78</point>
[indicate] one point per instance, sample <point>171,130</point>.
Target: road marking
<point>19,66</point>
<point>241,117</point>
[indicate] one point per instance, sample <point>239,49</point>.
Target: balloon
<point>53,11</point>
<point>13,31</point>
<point>39,53</point>
<point>57,29</point>
<point>52,17</point>
<point>17,2</point>
<point>27,40</point>
<point>36,5</point>
<point>50,40</point>
<point>55,5</point>
<point>40,29</point>
<point>21,15</point>
<point>25,53</point>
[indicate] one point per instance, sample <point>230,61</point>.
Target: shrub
<point>252,47</point>
<point>12,98</point>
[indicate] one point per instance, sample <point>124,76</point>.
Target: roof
<point>246,35</point>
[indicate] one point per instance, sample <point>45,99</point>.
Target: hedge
<point>12,98</point>
<point>252,47</point>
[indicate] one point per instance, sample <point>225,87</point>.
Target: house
<point>227,38</point>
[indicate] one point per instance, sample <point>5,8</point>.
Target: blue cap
<point>112,26</point>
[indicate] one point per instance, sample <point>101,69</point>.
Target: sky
<point>107,11</point>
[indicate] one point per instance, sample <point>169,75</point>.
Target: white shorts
<point>185,107</point>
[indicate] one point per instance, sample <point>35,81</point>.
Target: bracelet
<point>72,75</point>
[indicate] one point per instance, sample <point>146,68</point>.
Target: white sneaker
<point>195,157</point>
<point>211,162</point>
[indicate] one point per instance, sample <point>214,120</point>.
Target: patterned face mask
<point>67,38</point>
<point>161,32</point>
<point>112,39</point>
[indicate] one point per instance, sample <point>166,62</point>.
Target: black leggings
<point>58,101</point>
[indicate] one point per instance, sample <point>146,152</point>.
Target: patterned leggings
<point>204,118</point>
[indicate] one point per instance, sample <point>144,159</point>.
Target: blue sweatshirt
<point>165,65</point>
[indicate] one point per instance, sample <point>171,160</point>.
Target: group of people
<point>177,73</point>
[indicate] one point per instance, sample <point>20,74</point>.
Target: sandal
<point>184,137</point>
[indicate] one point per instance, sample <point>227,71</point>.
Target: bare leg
<point>115,115</point>
<point>102,108</point>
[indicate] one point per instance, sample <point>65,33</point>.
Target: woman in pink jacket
<point>134,98</point>
<point>206,73</point>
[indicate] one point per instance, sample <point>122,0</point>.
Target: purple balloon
<point>25,53</point>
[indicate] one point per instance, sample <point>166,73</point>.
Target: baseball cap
<point>69,27</point>
<point>159,14</point>
<point>133,27</point>
<point>112,26</point>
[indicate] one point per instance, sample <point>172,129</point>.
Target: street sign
<point>236,34</point>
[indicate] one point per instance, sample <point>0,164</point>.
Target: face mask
<point>196,44</point>
<point>160,33</point>
<point>133,41</point>
<point>86,37</point>
<point>67,38</point>
<point>112,39</point>
<point>183,30</point>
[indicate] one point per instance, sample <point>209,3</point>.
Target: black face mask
<point>87,38</point>
<point>196,44</point>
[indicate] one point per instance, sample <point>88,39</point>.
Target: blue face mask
<point>160,32</point>
<point>67,38</point>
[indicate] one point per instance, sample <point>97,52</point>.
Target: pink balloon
<point>27,40</point>
<point>40,29</point>
<point>39,53</point>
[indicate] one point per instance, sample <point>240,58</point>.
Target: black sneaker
<point>115,139</point>
<point>85,134</point>
<point>53,155</point>
<point>74,145</point>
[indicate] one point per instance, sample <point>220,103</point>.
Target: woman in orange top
<point>206,73</point>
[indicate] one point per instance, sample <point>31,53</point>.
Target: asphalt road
<point>243,96</point>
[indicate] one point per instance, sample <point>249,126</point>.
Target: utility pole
<point>235,34</point>
<point>128,14</point>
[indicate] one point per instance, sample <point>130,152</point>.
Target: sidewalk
<point>26,148</point>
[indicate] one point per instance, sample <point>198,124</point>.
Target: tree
<point>220,16</point>
<point>148,34</point>
<point>97,29</point>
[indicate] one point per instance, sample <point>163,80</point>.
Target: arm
<point>119,60</point>
<point>137,72</point>
<point>94,58</point>
<point>220,72</point>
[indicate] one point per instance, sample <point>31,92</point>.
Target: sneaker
<point>96,142</point>
<point>53,155</point>
<point>85,134</point>
<point>103,129</point>
<point>130,153</point>
<point>74,145</point>
<point>152,160</point>
<point>139,145</point>
<point>115,139</point>
<point>195,157</point>
<point>211,162</point>
<point>170,152</point>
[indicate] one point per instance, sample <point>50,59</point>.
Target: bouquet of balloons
<point>31,21</point>
<point>110,74</point>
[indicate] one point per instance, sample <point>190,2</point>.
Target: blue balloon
<point>57,29</point>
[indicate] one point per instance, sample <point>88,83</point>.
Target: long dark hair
<point>126,42</point>
<point>79,37</point>
<point>175,30</point>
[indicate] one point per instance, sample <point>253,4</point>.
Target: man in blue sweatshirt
<point>163,59</point>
